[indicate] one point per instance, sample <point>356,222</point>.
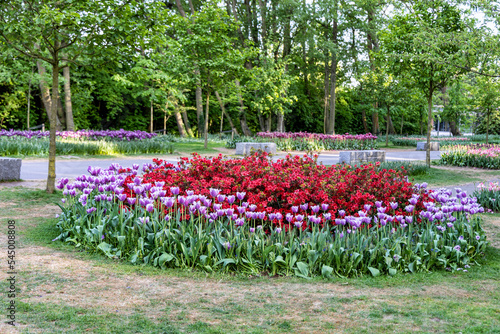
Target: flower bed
<point>304,141</point>
<point>22,146</point>
<point>83,134</point>
<point>478,155</point>
<point>287,217</point>
<point>489,196</point>
<point>412,141</point>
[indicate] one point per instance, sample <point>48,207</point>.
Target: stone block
<point>10,169</point>
<point>422,146</point>
<point>248,148</point>
<point>356,157</point>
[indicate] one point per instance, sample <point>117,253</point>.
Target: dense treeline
<point>326,66</point>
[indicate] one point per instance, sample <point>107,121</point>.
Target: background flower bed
<point>19,146</point>
<point>488,196</point>
<point>304,141</point>
<point>476,155</point>
<point>81,134</point>
<point>152,222</point>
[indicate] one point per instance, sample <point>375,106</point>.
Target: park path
<point>70,167</point>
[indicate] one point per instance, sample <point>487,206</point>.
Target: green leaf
<point>326,271</point>
<point>374,271</point>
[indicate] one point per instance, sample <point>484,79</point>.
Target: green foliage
<point>220,246</point>
<point>494,123</point>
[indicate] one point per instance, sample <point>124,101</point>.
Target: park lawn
<point>199,147</point>
<point>65,290</point>
<point>449,176</point>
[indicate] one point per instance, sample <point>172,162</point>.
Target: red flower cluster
<point>277,186</point>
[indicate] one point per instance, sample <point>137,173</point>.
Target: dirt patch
<point>31,184</point>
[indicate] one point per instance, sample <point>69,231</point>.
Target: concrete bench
<point>422,146</point>
<point>10,169</point>
<point>356,157</point>
<point>247,148</point>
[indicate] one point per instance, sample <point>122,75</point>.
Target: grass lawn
<point>61,289</point>
<point>446,176</point>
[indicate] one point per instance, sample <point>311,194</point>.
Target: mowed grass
<point>442,177</point>
<point>62,289</point>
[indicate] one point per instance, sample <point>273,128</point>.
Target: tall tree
<point>407,56</point>
<point>59,32</point>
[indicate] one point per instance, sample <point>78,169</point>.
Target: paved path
<point>38,169</point>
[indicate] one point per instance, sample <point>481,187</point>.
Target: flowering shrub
<point>488,196</point>
<point>285,183</point>
<point>303,141</point>
<point>84,134</point>
<point>146,220</point>
<point>478,155</point>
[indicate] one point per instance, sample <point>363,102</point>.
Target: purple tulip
<point>295,209</point>
<point>174,190</point>
<point>324,206</point>
<point>240,195</point>
<point>230,199</point>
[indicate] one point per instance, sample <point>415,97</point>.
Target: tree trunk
<point>402,121</point>
<point>333,75</point>
<point>206,120</point>
<point>46,98</point>
<point>199,106</point>
<point>454,129</point>
<point>151,117</point>
<point>375,121</point>
<point>387,126</point>
<point>243,119</point>
<point>488,116</point>
<point>392,131</point>
<point>280,122</point>
<point>268,122</point>
<point>180,123</point>
<point>186,121</point>
<point>262,123</point>
<point>60,113</point>
<point>51,178</point>
<point>327,86</point>
<point>70,124</point>
<point>233,128</point>
<point>429,127</point>
<point>333,85</point>
<point>29,100</point>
